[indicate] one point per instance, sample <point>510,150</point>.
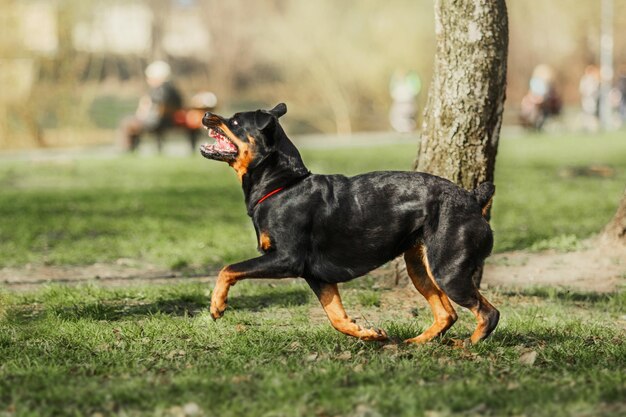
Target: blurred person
<point>542,99</point>
<point>621,89</point>
<point>157,111</point>
<point>404,88</point>
<point>589,88</point>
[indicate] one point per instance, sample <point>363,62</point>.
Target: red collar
<point>268,195</point>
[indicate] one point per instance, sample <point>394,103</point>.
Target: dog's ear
<point>263,120</point>
<point>279,110</point>
<point>266,122</point>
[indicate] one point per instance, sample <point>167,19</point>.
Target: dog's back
<point>359,223</point>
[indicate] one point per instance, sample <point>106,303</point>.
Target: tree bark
<point>615,231</point>
<point>466,98</point>
<point>463,116</point>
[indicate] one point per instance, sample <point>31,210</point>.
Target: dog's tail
<point>484,195</point>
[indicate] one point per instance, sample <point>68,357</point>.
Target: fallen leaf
<point>391,347</point>
<point>176,411</point>
<point>435,413</point>
<point>363,410</point>
<point>512,386</point>
<point>294,346</point>
<point>237,379</point>
<point>528,358</point>
<point>192,409</point>
<point>345,356</point>
<point>176,353</point>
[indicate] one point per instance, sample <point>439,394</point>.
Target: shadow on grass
<point>534,338</point>
<point>113,310</point>
<point>283,298</point>
<point>120,310</point>
<point>562,294</point>
<point>502,337</point>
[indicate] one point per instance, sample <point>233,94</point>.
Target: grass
<point>538,206</point>
<point>150,350</point>
<point>188,213</point>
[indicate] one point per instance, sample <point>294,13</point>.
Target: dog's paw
<point>217,310</point>
<point>373,334</point>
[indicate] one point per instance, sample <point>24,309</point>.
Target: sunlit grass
<point>152,349</point>
<point>143,350</point>
<point>179,212</point>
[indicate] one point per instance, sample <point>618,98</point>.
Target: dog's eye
<point>235,123</point>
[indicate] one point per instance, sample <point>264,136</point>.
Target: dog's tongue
<point>221,143</point>
<point>224,145</point>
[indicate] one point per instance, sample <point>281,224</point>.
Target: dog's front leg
<point>271,265</point>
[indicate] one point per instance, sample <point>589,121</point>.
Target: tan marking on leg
<point>265,243</point>
<point>487,206</point>
<point>483,312</point>
<point>225,280</point>
<point>422,277</point>
<point>331,302</point>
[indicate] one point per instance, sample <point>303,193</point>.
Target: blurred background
<point>71,70</point>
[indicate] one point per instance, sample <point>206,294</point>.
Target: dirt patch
<point>598,269</point>
<point>122,272</point>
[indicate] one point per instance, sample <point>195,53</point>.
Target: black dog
<point>329,228</point>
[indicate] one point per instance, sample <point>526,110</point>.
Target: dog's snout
<point>211,120</point>
<point>207,116</point>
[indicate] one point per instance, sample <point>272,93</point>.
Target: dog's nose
<point>206,117</point>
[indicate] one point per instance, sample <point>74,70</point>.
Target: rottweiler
<point>329,229</point>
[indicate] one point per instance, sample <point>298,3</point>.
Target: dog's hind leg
<point>487,317</point>
<point>421,276</point>
<point>329,297</point>
<point>456,252</point>
<point>455,279</point>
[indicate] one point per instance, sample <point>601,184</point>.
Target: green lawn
<point>151,350</point>
<point>147,350</point>
<point>189,212</point>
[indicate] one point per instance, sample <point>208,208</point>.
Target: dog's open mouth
<point>222,148</point>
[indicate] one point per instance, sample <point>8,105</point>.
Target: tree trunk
<point>615,231</point>
<point>463,116</point>
<point>464,112</point>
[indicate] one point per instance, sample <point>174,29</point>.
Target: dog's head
<point>245,139</point>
